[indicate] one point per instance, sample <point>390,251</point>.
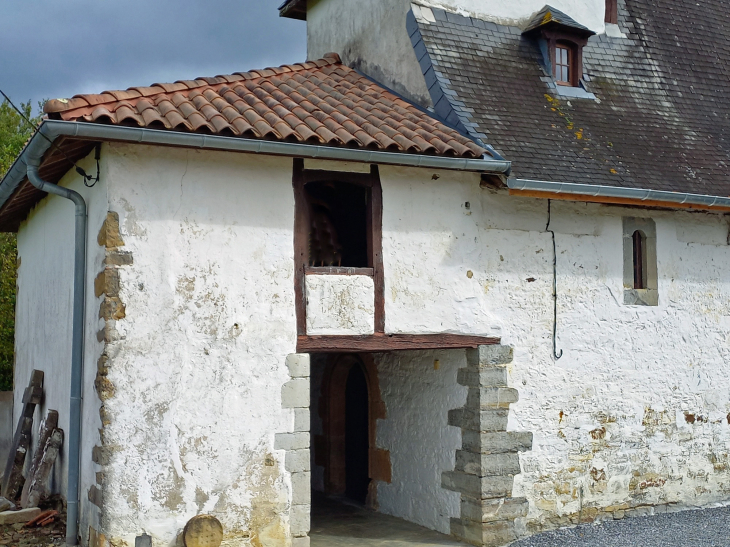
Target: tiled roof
<point>318,102</point>
<point>661,120</point>
<point>551,16</point>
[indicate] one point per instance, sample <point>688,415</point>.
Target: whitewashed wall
<point>200,360</point>
<point>340,304</point>
<point>348,29</point>
<point>635,413</point>
<point>44,313</point>
<point>418,389</point>
<point>610,415</point>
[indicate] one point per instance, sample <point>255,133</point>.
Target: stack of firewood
<point>29,490</point>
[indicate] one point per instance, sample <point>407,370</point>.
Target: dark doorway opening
<point>356,435</point>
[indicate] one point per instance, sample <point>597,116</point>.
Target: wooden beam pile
<point>32,488</point>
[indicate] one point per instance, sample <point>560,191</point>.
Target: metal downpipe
<point>77,348</point>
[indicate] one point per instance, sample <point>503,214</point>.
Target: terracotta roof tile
<point>320,102</point>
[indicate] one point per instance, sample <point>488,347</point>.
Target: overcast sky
<point>58,48</point>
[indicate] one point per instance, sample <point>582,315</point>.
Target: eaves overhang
<point>615,195</point>
<point>50,131</point>
<point>294,9</point>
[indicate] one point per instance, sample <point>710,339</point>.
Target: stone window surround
<point>650,295</point>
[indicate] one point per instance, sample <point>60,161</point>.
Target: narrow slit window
<point>338,224</point>
<point>563,61</point>
<point>639,241</point>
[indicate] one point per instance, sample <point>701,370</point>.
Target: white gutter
<point>52,129</point>
<point>635,194</point>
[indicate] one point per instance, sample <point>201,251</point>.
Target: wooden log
<point>13,475</point>
<point>39,489</point>
<point>48,425</point>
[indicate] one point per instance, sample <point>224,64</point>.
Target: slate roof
<point>551,16</point>
<point>661,120</point>
<point>318,102</point>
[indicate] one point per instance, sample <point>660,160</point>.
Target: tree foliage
<point>14,132</point>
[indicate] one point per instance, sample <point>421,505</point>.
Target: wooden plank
<point>13,475</point>
<point>376,210</point>
<point>390,342</point>
<point>39,488</point>
<point>301,245</point>
<point>48,425</point>
<point>337,270</point>
<point>316,175</point>
<point>615,201</point>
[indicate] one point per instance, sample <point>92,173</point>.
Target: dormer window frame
<point>560,39</point>
<point>550,27</point>
<point>563,63</point>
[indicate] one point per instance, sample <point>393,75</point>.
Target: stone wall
<point>615,419</point>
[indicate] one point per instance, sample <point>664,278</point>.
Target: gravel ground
<point>702,528</point>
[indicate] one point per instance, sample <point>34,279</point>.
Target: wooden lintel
<point>390,342</point>
<point>607,200</point>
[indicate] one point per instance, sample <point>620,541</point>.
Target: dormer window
<point>561,40</point>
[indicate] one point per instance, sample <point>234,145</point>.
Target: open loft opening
<point>338,226</point>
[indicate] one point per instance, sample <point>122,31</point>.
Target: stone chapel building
<point>470,271</point>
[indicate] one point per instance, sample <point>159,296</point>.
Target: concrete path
<point>703,528</point>
<point>335,524</point>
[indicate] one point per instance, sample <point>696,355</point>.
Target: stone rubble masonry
<point>295,396</point>
<point>107,285</point>
<point>489,456</point>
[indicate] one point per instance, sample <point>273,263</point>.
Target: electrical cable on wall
<point>556,355</point>
<point>87,178</point>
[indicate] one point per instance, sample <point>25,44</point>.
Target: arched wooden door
<point>352,404</point>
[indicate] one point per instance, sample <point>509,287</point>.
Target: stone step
<point>486,465</point>
<point>494,534</point>
<point>494,509</point>
<point>493,419</point>
<point>477,487</point>
<point>496,442</point>
<point>486,356</point>
<point>491,397</point>
<point>487,377</point>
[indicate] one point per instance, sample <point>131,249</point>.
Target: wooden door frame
<point>370,180</point>
<point>334,425</point>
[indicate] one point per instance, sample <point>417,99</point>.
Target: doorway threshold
<point>337,523</point>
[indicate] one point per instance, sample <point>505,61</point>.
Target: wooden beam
<point>615,201</point>
<point>48,426</point>
<point>390,342</point>
<point>13,476</point>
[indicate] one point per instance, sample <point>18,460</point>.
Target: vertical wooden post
<point>13,476</point>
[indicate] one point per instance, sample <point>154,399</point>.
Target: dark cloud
<point>58,48</point>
